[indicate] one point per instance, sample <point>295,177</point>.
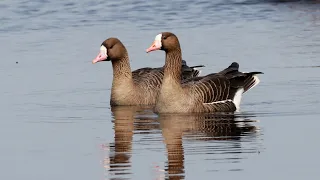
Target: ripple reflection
<point>204,139</point>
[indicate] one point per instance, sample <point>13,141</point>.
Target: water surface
<point>56,121</point>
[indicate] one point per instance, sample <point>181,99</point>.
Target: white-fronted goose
<point>217,92</point>
<point>139,87</point>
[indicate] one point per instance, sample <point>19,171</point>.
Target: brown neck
<point>121,69</point>
<point>172,67</point>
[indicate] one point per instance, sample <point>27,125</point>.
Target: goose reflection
<point>175,128</point>
<point>181,135</point>
<point>119,160</point>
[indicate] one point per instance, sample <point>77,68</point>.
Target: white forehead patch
<point>103,50</point>
<point>158,37</point>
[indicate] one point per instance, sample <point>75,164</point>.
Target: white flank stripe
<point>217,102</point>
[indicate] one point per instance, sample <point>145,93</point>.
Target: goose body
<point>139,87</point>
<point>216,92</point>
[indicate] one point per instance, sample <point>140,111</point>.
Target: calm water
<point>56,122</point>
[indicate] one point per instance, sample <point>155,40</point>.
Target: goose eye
<point>164,37</point>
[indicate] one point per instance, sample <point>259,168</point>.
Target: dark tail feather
<point>190,71</point>
<point>184,63</point>
<point>251,80</point>
<point>242,80</point>
<point>197,66</point>
<point>195,71</point>
<point>233,68</point>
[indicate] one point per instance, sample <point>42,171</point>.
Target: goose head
<point>165,41</point>
<point>110,50</point>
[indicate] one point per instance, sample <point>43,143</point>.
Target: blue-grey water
<point>56,121</point>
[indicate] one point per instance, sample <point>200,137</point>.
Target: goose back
<point>220,91</point>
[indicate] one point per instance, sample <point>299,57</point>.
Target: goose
<point>139,87</point>
<point>216,92</point>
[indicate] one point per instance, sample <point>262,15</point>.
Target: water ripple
<point>151,14</point>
